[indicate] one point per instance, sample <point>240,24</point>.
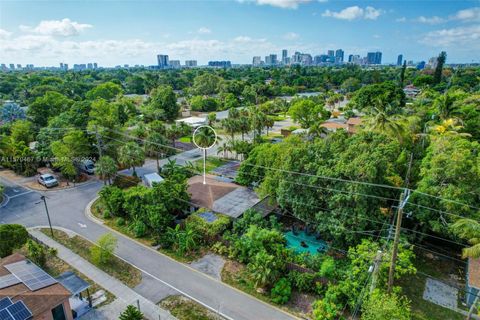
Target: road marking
<point>21,194</point>
<point>82,225</point>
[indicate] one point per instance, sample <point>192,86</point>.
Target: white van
<point>151,178</point>
<point>86,166</point>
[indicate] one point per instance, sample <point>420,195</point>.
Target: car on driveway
<point>48,180</point>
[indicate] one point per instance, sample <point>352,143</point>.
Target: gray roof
<point>72,282</point>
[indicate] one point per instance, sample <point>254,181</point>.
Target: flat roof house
<point>28,292</point>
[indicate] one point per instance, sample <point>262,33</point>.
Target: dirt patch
<point>185,309</point>
<point>301,302</point>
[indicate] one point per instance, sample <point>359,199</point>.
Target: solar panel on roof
<point>30,274</point>
<point>4,315</point>
<point>19,311</point>
<point>5,302</point>
<point>8,280</point>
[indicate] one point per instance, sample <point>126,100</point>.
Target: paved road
<point>67,210</point>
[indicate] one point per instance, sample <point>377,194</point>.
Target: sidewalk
<point>121,291</point>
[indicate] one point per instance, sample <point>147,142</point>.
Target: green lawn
<point>211,164</point>
<point>185,139</point>
<point>117,268</point>
<point>185,309</point>
<point>413,287</point>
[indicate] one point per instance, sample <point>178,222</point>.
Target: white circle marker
<point>204,148</point>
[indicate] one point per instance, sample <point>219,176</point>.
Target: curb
<point>5,200</point>
<point>91,217</point>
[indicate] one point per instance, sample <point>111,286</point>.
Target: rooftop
<point>220,195</point>
<point>37,301</point>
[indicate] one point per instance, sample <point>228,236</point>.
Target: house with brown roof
<point>25,285</point>
<point>221,195</point>
<point>353,124</point>
<point>473,280</point>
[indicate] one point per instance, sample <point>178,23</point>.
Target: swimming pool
<point>314,245</point>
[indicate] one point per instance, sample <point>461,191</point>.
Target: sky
<point>45,33</point>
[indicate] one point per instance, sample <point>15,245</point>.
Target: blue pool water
<point>314,245</point>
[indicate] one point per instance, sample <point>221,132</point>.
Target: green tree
<point>306,112</point>
<point>12,236</point>
<point>66,151</point>
<point>206,84</point>
<point>38,253</point>
<point>469,230</point>
<point>164,99</point>
<point>212,117</point>
<point>263,269</point>
<point>131,313</point>
<point>50,104</point>
<point>383,306</point>
<point>22,131</point>
<point>107,91</point>
<point>106,169</point>
<point>156,144</point>
<point>437,76</point>
<point>131,155</point>
<point>102,252</point>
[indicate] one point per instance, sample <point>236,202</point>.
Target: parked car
<point>47,180</point>
<point>86,166</point>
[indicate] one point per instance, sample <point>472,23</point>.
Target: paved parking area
<point>441,294</point>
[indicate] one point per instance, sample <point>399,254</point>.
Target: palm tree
<point>106,168</point>
<point>382,121</point>
<point>156,143</point>
<point>469,230</point>
<point>450,127</point>
<point>231,126</point>
<point>445,105</point>
<point>131,155</point>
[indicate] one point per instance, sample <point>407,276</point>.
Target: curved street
<point>67,210</point>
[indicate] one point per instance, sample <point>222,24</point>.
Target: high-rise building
<point>374,57</point>
<point>400,60</point>
<point>89,65</point>
<point>95,65</point>
<point>190,63</point>
<point>339,55</point>
<point>174,63</point>
<point>331,53</point>
<point>284,56</point>
<point>65,66</point>
<point>378,57</point>
<point>257,61</point>
<point>19,66</point>
<point>220,64</point>
<point>12,66</point>
<point>162,61</point>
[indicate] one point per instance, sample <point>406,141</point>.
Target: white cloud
<point>376,36</point>
<point>284,4</point>
<point>4,34</point>
<point>402,19</point>
<point>371,13</point>
<point>50,50</point>
<point>291,36</point>
<point>204,30</point>
<point>64,27</point>
<point>454,37</point>
<point>430,20</point>
<point>471,14</point>
<point>353,13</point>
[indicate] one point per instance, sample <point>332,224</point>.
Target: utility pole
<point>398,226</point>
<point>376,269</point>
<point>48,215</point>
<point>99,146</point>
<point>403,201</point>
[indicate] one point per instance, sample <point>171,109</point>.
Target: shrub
<point>302,281</point>
<point>120,222</point>
<point>12,236</point>
<point>39,253</point>
<point>282,291</point>
<point>327,268</point>
<point>139,229</point>
<point>131,313</point>
<point>208,230</point>
<point>325,310</point>
<point>102,252</point>
<point>113,198</point>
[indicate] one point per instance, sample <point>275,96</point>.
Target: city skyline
<point>48,33</point>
